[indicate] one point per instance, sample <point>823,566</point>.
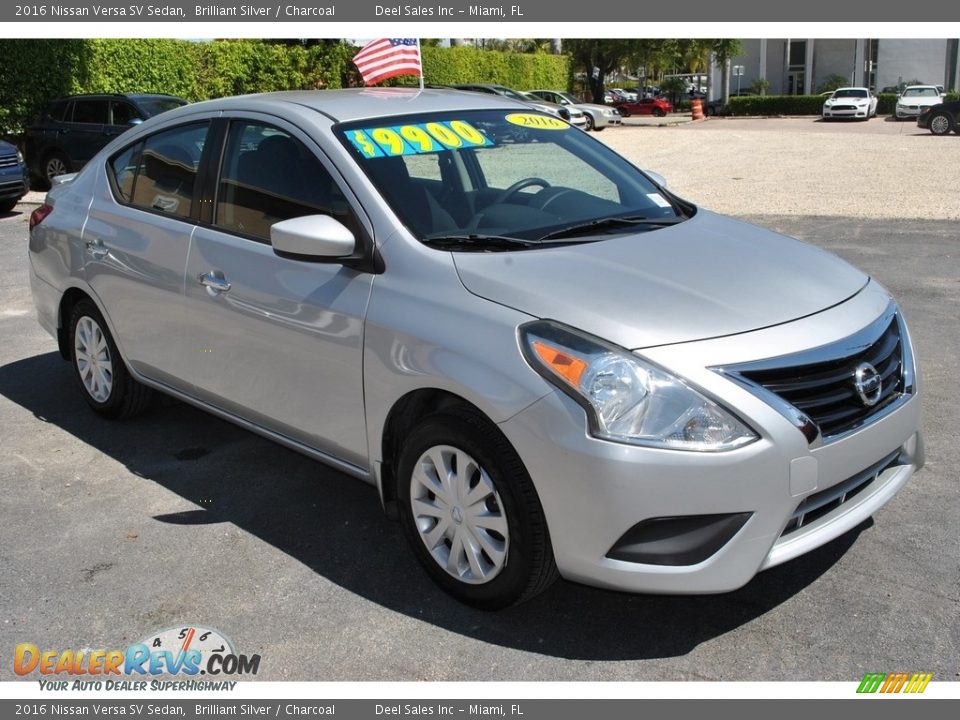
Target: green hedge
<point>456,65</point>
<point>36,71</point>
<point>776,105</point>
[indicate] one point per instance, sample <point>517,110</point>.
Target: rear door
<point>136,241</point>
<point>85,134</point>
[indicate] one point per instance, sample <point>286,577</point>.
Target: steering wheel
<point>518,186</point>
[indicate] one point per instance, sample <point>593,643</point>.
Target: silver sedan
<point>545,361</point>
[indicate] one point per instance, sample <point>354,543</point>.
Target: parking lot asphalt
<point>112,530</point>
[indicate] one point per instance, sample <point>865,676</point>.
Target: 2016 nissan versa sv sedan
<point>544,360</point>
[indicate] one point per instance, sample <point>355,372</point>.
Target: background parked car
<point>577,117</point>
<point>13,176</point>
<point>942,118</point>
<point>850,102</point>
<point>916,98</point>
<point>73,129</point>
<point>597,117</point>
<point>646,106</point>
<point>502,90</point>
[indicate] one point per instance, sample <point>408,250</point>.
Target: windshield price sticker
<point>540,122</point>
<point>416,139</point>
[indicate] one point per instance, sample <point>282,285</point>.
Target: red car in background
<point>644,106</point>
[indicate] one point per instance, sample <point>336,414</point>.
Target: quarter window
<point>267,176</point>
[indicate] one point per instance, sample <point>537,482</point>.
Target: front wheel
<point>659,112</point>
<point>471,513</point>
<point>7,206</point>
<point>107,386</point>
<point>940,124</point>
<point>589,125</point>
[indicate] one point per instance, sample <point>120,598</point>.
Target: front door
<point>278,341</point>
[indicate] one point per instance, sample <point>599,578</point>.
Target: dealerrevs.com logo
<point>188,650</point>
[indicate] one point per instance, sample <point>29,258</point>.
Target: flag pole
<point>420,55</point>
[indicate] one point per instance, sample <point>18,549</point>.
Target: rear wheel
<point>940,124</point>
<point>107,386</point>
<point>55,163</point>
<point>471,513</point>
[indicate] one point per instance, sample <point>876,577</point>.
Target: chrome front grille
<point>829,391</point>
<point>826,501</point>
<point>8,161</point>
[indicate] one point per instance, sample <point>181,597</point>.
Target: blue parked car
<point>13,177</point>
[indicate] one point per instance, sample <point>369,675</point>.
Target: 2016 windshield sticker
<point>539,122</point>
<point>416,139</point>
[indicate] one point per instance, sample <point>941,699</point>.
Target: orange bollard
<point>696,108</point>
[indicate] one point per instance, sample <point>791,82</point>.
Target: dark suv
<point>72,130</point>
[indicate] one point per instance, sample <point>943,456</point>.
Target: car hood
<point>707,277</point>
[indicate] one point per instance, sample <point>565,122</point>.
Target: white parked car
<point>597,116</point>
<point>850,102</point>
<point>915,99</point>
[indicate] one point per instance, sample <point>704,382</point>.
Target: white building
<point>800,67</point>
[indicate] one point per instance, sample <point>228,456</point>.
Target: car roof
<point>361,103</point>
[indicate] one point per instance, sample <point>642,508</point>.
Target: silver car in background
<point>598,117</point>
<point>545,361</point>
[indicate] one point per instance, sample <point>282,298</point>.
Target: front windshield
<point>520,175</point>
<point>852,93</point>
<point>921,92</point>
<point>569,98</point>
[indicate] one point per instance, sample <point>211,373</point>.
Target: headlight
<point>19,157</point>
<point>629,399</point>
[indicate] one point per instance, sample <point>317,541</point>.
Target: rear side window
<point>90,111</point>
<point>160,173</point>
<point>268,176</point>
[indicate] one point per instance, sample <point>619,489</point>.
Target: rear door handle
<point>214,281</point>
<point>96,249</point>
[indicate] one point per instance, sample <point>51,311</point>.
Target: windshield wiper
<point>478,242</point>
<point>602,223</point>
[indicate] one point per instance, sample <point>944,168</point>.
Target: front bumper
<point>849,112</point>
<point>907,111</point>
<point>596,493</point>
<point>13,182</point>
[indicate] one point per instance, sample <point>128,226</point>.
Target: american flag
<point>387,58</point>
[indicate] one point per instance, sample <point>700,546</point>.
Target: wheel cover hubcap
<point>459,515</point>
<point>93,359</point>
<point>940,124</point>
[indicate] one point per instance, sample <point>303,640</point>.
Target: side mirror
<point>312,237</point>
<point>133,122</point>
<point>657,178</point>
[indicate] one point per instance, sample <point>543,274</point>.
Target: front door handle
<point>214,281</point>
<point>96,249</point>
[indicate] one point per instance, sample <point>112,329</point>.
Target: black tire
<point>54,163</point>
<point>599,129</point>
<point>659,112</point>
<point>125,397</point>
<point>529,566</point>
<point>940,123</point>
<point>590,125</point>
<point>7,205</point>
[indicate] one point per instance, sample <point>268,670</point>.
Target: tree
<point>599,58</point>
<point>724,51</point>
